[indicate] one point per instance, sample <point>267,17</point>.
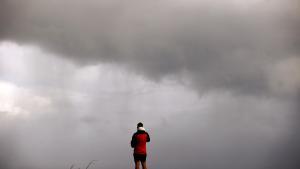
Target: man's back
<point>139,140</point>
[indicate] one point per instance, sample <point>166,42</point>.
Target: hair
<point>140,124</point>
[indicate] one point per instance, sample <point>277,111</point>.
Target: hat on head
<point>140,125</point>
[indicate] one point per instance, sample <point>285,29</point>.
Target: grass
<point>90,163</point>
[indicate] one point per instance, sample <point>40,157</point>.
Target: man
<point>138,142</point>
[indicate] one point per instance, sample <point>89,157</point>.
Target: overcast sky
<point>216,83</point>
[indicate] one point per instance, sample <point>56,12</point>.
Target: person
<point>138,142</point>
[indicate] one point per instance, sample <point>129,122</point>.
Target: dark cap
<point>140,124</point>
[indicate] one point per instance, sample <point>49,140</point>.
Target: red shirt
<point>138,142</point>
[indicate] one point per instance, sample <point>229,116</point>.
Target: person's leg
<point>144,164</point>
<point>137,164</point>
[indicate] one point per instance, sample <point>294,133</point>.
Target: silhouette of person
<point>138,142</point>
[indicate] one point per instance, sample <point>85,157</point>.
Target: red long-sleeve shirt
<point>138,142</point>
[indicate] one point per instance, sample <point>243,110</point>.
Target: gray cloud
<point>220,44</point>
<point>242,58</point>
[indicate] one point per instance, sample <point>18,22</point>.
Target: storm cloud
<point>219,44</point>
<point>217,82</point>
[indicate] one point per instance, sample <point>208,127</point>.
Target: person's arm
<point>133,141</point>
<point>148,138</point>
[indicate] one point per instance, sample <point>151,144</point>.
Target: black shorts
<point>140,157</point>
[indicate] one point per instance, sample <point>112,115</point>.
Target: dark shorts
<point>140,157</point>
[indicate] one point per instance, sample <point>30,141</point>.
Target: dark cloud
<point>287,153</point>
<point>219,44</point>
<point>247,49</point>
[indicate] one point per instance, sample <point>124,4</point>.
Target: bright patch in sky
<point>6,99</point>
<point>15,100</point>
